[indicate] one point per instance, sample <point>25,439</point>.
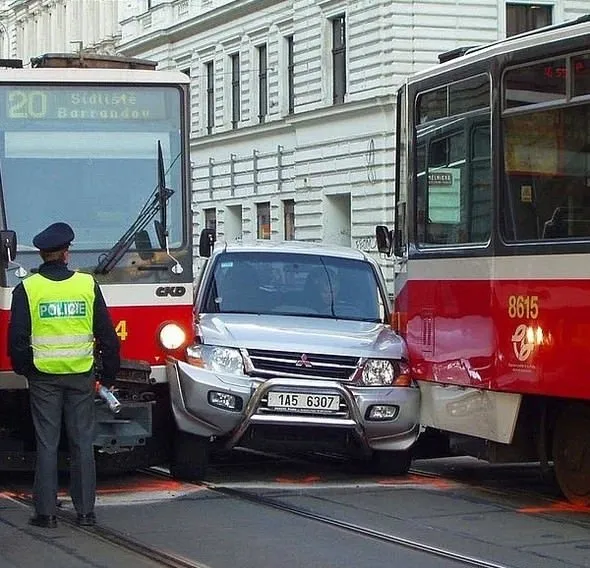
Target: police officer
<point>59,320</point>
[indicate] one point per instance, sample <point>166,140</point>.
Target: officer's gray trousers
<point>71,397</point>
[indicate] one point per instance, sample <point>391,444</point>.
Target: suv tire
<point>385,462</point>
<point>190,456</point>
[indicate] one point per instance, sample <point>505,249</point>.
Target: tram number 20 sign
<point>93,104</point>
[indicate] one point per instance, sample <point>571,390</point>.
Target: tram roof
<point>540,36</point>
<point>106,76</point>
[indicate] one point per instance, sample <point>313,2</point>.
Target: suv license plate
<point>304,401</point>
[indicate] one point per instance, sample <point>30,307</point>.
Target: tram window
<point>454,99</point>
<point>432,105</point>
<point>480,217</point>
<point>581,67</point>
<point>546,193</point>
<point>535,84</point>
<point>468,95</point>
<point>454,188</point>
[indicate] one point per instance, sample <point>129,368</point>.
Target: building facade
<point>293,101</point>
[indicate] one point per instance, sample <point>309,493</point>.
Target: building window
<point>290,75</point>
<point>525,17</point>
<point>211,219</point>
<point>235,90</point>
<point>263,220</point>
<point>338,59</point>
<point>210,96</point>
<point>262,84</point>
<point>289,219</point>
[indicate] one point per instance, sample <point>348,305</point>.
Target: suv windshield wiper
<point>156,202</point>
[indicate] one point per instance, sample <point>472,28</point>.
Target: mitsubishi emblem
<point>303,362</point>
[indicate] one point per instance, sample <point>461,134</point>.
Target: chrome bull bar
<point>250,416</point>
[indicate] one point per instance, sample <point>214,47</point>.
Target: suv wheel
<point>190,456</point>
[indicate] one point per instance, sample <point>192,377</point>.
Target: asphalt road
<point>259,511</point>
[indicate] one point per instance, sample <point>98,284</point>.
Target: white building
<point>292,100</point>
<point>29,28</point>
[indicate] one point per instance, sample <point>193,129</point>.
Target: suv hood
<point>301,334</point>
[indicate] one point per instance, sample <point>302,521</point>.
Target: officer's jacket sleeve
<point>106,337</point>
<point>19,333</point>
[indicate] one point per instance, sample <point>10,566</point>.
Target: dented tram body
<point>101,143</point>
<point>492,243</point>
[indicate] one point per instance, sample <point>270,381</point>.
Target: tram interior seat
<point>568,222</point>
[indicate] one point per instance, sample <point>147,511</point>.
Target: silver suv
<point>293,351</point>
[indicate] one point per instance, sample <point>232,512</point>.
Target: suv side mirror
<point>7,246</point>
<point>206,242</point>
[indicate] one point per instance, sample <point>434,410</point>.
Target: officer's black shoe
<point>86,520</point>
<point>44,521</point>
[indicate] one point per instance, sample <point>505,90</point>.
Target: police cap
<point>57,236</point>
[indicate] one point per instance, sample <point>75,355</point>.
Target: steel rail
<point>356,529</point>
<point>344,525</point>
<point>156,555</point>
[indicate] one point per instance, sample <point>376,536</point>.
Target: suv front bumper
<point>190,389</point>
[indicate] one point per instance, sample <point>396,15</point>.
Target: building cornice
<point>337,112</point>
<point>287,125</point>
<point>193,26</point>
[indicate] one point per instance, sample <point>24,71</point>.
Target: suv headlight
<point>383,372</point>
<point>217,359</point>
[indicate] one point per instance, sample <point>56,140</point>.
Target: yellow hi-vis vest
<point>61,323</point>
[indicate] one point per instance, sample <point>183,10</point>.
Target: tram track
<point>546,501</point>
<point>256,499</point>
<point>157,556</point>
<point>168,558</point>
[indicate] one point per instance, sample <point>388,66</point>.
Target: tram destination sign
<point>102,104</point>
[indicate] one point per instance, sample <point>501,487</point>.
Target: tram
<point>492,249</point>
<point>101,143</point>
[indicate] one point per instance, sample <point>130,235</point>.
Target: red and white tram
<point>102,144</point>
<point>492,246</point>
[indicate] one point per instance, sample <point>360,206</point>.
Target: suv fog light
<point>224,400</point>
<point>382,412</point>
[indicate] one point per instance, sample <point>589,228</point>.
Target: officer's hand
<point>108,383</point>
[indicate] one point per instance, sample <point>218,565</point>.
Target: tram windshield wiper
<point>156,203</point>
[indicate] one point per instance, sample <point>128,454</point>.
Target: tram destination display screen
<point>102,104</point>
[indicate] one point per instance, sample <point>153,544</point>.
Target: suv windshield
<point>294,284</point>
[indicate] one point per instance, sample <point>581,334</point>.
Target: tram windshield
<point>87,155</point>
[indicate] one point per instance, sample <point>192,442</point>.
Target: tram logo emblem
<point>173,291</point>
<point>522,347</point>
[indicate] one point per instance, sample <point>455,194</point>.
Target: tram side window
<point>546,193</point>
<point>453,163</point>
<point>454,188</point>
<point>480,202</point>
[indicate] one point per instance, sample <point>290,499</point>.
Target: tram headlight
<point>217,359</point>
<point>172,336</point>
<point>383,372</point>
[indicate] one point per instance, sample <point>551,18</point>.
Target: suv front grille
<point>301,365</point>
